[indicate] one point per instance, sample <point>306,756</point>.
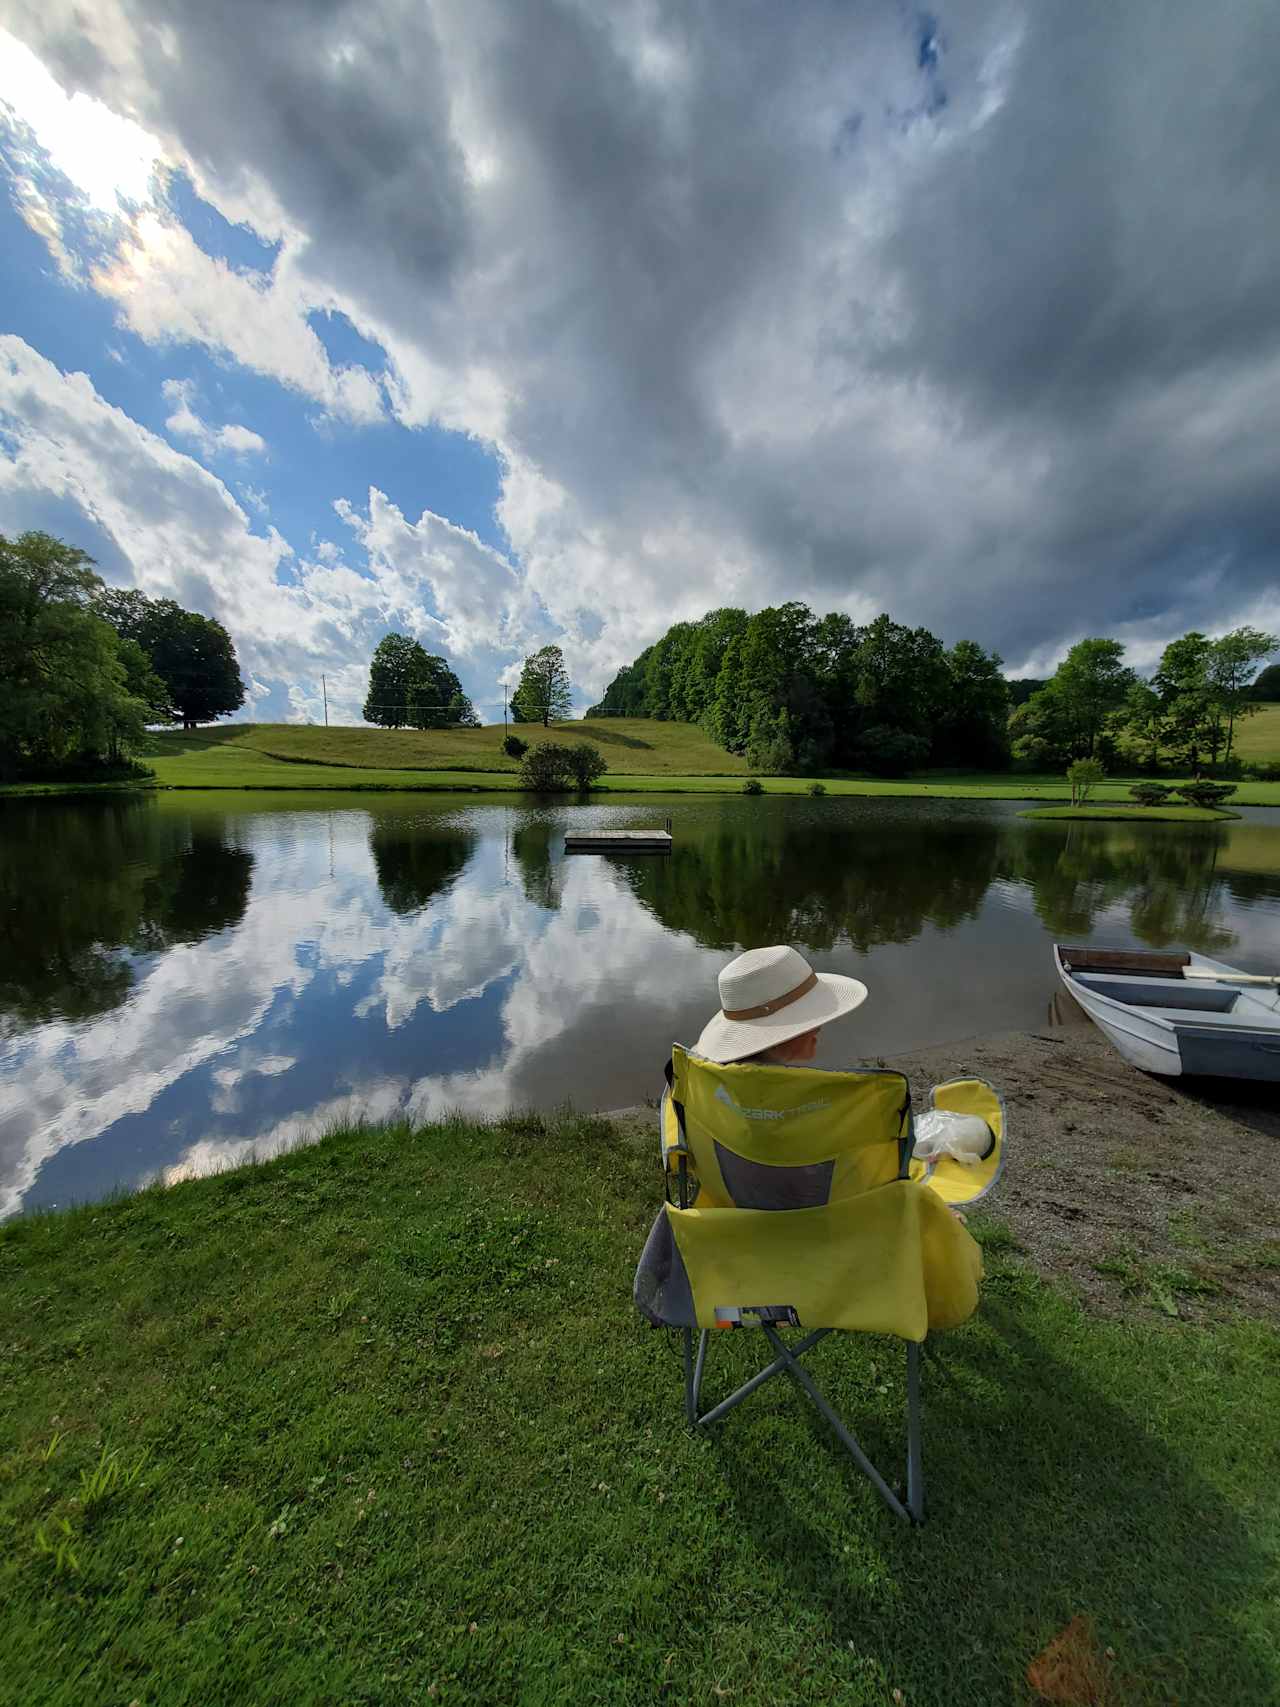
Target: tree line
<point>796,692</point>
<point>85,668</point>
<point>1096,707</point>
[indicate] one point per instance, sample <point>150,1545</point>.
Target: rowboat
<point>1178,1013</point>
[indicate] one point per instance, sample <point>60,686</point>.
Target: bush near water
<point>550,769</point>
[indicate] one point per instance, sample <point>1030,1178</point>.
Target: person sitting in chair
<point>772,1007</point>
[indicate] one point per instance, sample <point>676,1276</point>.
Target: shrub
<point>514,747</point>
<point>753,785</point>
<point>817,789</point>
<point>585,763</point>
<point>769,746</point>
<point>545,769</point>
<point>1207,794</point>
<point>80,767</point>
<point>1083,775</point>
<point>891,752</point>
<point>1151,793</point>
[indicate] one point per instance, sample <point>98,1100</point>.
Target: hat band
<point>772,1007</point>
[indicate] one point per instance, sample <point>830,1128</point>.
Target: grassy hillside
<point>636,745</point>
<point>643,754</point>
<point>644,757</point>
<point>1258,737</point>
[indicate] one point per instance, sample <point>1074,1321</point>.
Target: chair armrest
<point>670,1134</point>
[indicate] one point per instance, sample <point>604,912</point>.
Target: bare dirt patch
<point>1162,1194</point>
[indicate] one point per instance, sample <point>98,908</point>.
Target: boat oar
<point>1231,977</point>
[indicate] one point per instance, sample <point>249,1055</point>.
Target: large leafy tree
<point>1143,718</point>
<point>65,689</point>
<point>1267,685</point>
<point>1192,722</point>
<point>1090,686</point>
<point>190,653</point>
<point>972,724</point>
<point>410,687</point>
<point>544,690</point>
<point>1232,662</point>
<point>1072,715</point>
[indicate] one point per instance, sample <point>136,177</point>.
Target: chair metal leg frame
<point>915,1460</point>
<point>787,1360</point>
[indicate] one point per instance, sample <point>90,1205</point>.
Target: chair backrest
<point>772,1137</point>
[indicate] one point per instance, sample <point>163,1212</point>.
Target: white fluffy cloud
<point>840,304</point>
<point>169,291</point>
<point>475,590</point>
<point>186,423</point>
<point>176,529</point>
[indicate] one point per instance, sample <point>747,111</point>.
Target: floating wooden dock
<point>619,841</point>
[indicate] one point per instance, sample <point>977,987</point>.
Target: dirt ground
<point>1144,1195</point>
<point>1130,1188</point>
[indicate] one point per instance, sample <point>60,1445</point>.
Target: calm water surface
<point>189,978</point>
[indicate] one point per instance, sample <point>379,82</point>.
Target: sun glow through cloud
<point>108,158</point>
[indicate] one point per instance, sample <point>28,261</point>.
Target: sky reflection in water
<point>186,979</point>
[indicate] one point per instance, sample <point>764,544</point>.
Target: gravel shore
<point>1127,1186</point>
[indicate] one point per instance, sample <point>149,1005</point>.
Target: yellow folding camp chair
<point>793,1199</point>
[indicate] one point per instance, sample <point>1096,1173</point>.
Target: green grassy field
<point>643,755</point>
<point>1135,814</point>
<point>377,1423</point>
<point>1258,737</point>
<point>634,744</point>
<point>233,765</point>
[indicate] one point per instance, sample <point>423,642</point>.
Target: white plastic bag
<point>964,1137</point>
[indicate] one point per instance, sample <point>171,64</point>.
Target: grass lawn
<point>634,744</point>
<point>230,766</point>
<point>644,756</point>
<point>19,790</point>
<point>1114,814</point>
<point>377,1423</point>
<point>1257,738</point>
<point>237,767</point>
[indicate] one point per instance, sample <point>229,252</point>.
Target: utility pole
<point>324,689</point>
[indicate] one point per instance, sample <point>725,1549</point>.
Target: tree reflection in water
<point>1167,876</point>
<point>84,885</point>
<point>415,863</point>
<point>796,880</point>
<point>531,845</point>
<point>785,880</point>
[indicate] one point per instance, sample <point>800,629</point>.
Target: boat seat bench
<point>1158,993</point>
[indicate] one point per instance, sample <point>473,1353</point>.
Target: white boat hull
<point>1211,1029</point>
<point>1153,1053</point>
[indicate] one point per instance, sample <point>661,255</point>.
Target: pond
<point>189,979</point>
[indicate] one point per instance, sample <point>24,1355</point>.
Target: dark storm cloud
<point>974,317</point>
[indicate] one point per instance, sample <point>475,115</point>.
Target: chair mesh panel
<point>761,1185</point>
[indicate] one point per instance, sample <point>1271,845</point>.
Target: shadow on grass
<point>611,737</point>
<point>1045,1500</point>
<point>1253,1102</point>
<point>176,743</point>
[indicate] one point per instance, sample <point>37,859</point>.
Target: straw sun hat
<point>768,995</point>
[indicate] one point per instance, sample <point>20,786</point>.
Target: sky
<point>500,324</point>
